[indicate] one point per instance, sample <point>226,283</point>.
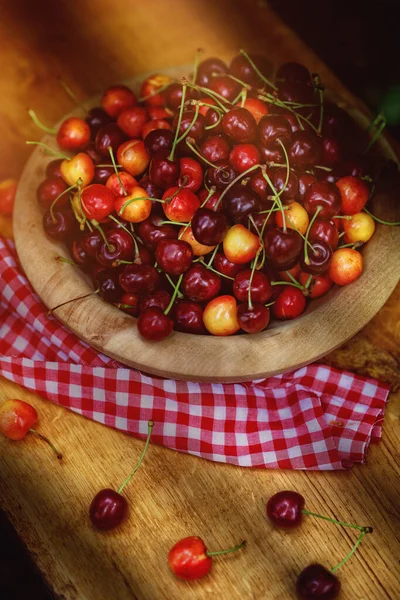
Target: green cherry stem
<point>150,426</point>
<point>157,91</point>
<point>110,150</point>
<point>287,165</point>
<point>39,124</point>
<point>174,295</point>
<point>190,144</point>
<point>48,150</point>
<point>267,81</point>
<point>52,205</point>
<point>219,552</point>
<point>199,52</point>
<point>208,266</point>
<point>179,294</point>
<point>127,231</point>
<point>46,439</point>
<point>381,127</point>
<point>393,223</point>
<point>335,521</point>
<point>214,252</point>
<point>297,285</point>
<point>354,548</point>
<point>214,95</point>
<point>315,215</point>
<point>253,268</point>
<point>186,133</point>
<point>71,94</point>
<point>184,88</point>
<point>232,183</point>
<point>66,260</point>
<point>276,196</point>
<point>96,225</point>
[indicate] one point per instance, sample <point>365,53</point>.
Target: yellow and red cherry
<point>186,234</point>
<point>73,134</point>
<point>155,125</point>
<point>17,419</point>
<point>256,107</point>
<point>244,156</point>
<point>240,245</point>
<point>253,319</point>
<point>117,98</point>
<point>131,120</point>
<point>354,193</point>
<point>346,266</point>
<point>220,316</point>
<point>191,174</point>
<point>188,317</point>
<point>296,217</point>
<point>174,256</point>
<point>209,227</point>
<point>78,167</point>
<point>290,303</point>
<point>97,202</point>
<point>128,183</point>
<point>325,195</point>
<point>180,205</point>
<point>150,86</point>
<point>109,136</point>
<point>133,157</point>
<point>49,190</point>
<point>135,207</point>
<point>360,228</point>
<point>240,126</point>
<point>200,284</point>
<point>319,285</point>
<point>261,290</point>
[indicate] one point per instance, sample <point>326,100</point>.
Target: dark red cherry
<point>173,96</point>
<point>96,118</point>
<point>296,92</point>
<point>213,120</point>
<point>152,190</point>
<point>129,303</point>
<point>215,148</point>
<point>315,582</point>
<point>90,242</point>
<point>154,325</point>
<point>59,226</point>
<point>49,190</point>
<point>225,87</point>
<point>282,248</point>
<point>102,174</point>
<point>163,172</point>
<point>272,128</point>
<point>240,125</point>
<point>109,135</point>
<point>79,256</point>
<point>319,258</point>
<point>159,139</point>
<point>325,231</point>
<point>159,298</point>
<point>108,509</point>
<point>139,279</point>
<point>254,319</point>
<point>119,247</point>
<point>278,178</point>
<point>305,180</point>
<point>285,508</point>
<point>221,175</point>
<point>272,154</point>
<point>331,151</point>
<point>209,227</point>
<point>295,123</point>
<point>196,130</point>
<point>174,256</point>
<point>261,289</point>
<point>325,195</point>
<point>53,168</point>
<point>294,73</point>
<point>241,68</point>
<point>107,281</point>
<point>151,231</point>
<point>240,202</point>
<point>200,284</point>
<point>209,67</point>
<point>188,317</point>
<point>225,266</point>
<point>304,150</point>
<point>259,184</point>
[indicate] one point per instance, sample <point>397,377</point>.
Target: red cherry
<point>117,98</point>
<point>241,68</point>
<point>318,259</point>
<point>154,325</point>
<point>163,172</point>
<point>224,86</point>
<point>159,298</point>
<point>49,190</point>
<point>139,279</point>
<point>256,107</point>
<point>188,317</point>
<point>209,227</point>
<point>119,246</point>
<point>149,90</point>
<point>53,168</point>
<point>197,129</point>
<point>324,195</point>
<point>180,205</point>
<point>319,286</point>
<point>272,128</point>
<point>131,120</point>
<point>155,125</point>
<point>254,319</point>
<point>240,125</point>
<point>261,289</point>
<point>221,175</point>
<point>102,174</point>
<point>107,281</point>
<point>290,303</point>
<point>225,266</point>
<point>129,304</point>
<point>315,582</point>
<point>128,183</point>
<point>207,68</point>
<point>108,509</point>
<point>97,201</point>
<point>282,247</point>
<point>285,508</point>
<point>354,193</point>
<point>60,225</point>
<point>304,150</point>
<point>151,232</point>
<point>73,134</point>
<point>174,256</point>
<point>200,284</point>
<point>215,148</point>
<point>191,174</point>
<point>244,156</point>
<point>96,118</point>
<point>109,135</point>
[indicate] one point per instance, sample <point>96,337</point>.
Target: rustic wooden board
<point>176,495</point>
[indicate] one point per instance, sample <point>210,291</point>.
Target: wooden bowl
<point>326,324</point>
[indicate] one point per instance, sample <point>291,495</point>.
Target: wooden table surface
<point>90,45</point>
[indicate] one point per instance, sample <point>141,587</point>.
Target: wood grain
<point>176,495</point>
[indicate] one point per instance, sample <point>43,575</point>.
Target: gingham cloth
<point>315,418</point>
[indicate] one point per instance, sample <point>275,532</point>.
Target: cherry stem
<point>174,295</point>
<point>210,268</point>
<point>354,548</point>
<point>71,94</point>
<point>380,119</point>
<point>214,252</point>
<point>253,268</point>
<point>104,238</point>
<point>39,124</point>
<point>186,133</point>
<point>287,165</point>
<point>318,86</point>
<point>293,279</point>
<point>267,81</point>
<point>45,439</point>
<point>49,150</point>
<point>51,310</point>
<point>315,215</point>
<point>179,294</point>
<point>313,514</point>
<point>276,197</point>
<point>127,231</point>
<point>195,151</point>
<point>199,52</point>
<point>308,282</point>
<point>353,245</point>
<point>297,285</point>
<point>393,223</point>
<point>208,127</point>
<point>345,217</point>
<point>219,552</point>
<point>150,426</point>
<point>323,168</point>
<point>160,89</point>
<point>66,260</point>
<point>52,205</point>
<point>238,178</point>
<point>184,88</point>
<point>110,150</point>
<point>214,95</point>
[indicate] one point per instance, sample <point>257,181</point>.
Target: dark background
<point>360,42</point>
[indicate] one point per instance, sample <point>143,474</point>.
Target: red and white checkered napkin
<point>314,418</point>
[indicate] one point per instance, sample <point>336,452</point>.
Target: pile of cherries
<point>212,200</point>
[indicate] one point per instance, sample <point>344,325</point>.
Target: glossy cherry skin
<point>290,304</point>
<point>188,317</point>
<point>63,225</point>
<point>212,200</point>
<point>272,154</point>
<point>244,156</point>
<point>188,559</point>
<point>209,227</point>
<point>325,195</point>
<point>220,316</point>
<point>73,134</point>
<point>315,582</point>
<point>131,120</point>
<point>133,157</point>
<point>253,320</point>
<point>354,194</point>
<point>107,281</point>
<point>305,180</point>
<point>90,242</point>
<point>48,191</point>
<point>319,258</point>
<point>154,325</point>
<point>272,128</point>
<point>16,418</point>
<point>319,286</point>
<point>294,73</point>
<point>151,232</point>
<point>197,130</point>
<point>346,266</point>
<point>131,302</point>
<point>139,279</point>
<point>325,231</point>
<point>159,298</point>
<point>256,107</point>
<point>239,125</point>
<point>221,175</point>
<point>225,266</point>
<point>96,118</point>
<point>150,87</point>
<point>117,98</point>
<point>191,174</point>
<point>163,172</point>
<point>224,86</point>
<point>180,205</point>
<point>215,148</point>
<point>120,247</point>
<point>304,150</point>
<point>152,190</point>
<point>108,509</point>
<point>278,179</point>
<point>53,168</point>
<point>155,125</point>
<point>282,248</point>
<point>79,256</point>
<point>240,202</point>
<point>200,284</point>
<point>284,509</point>
<point>241,68</point>
<point>109,135</point>
<point>209,67</point>
<point>331,151</point>
<point>158,139</point>
<point>296,92</point>
<point>240,245</point>
<point>174,256</point>
<point>103,174</point>
<point>97,201</point>
<point>128,183</point>
<point>213,119</point>
<point>261,289</point>
<point>288,115</point>
<point>259,184</point>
